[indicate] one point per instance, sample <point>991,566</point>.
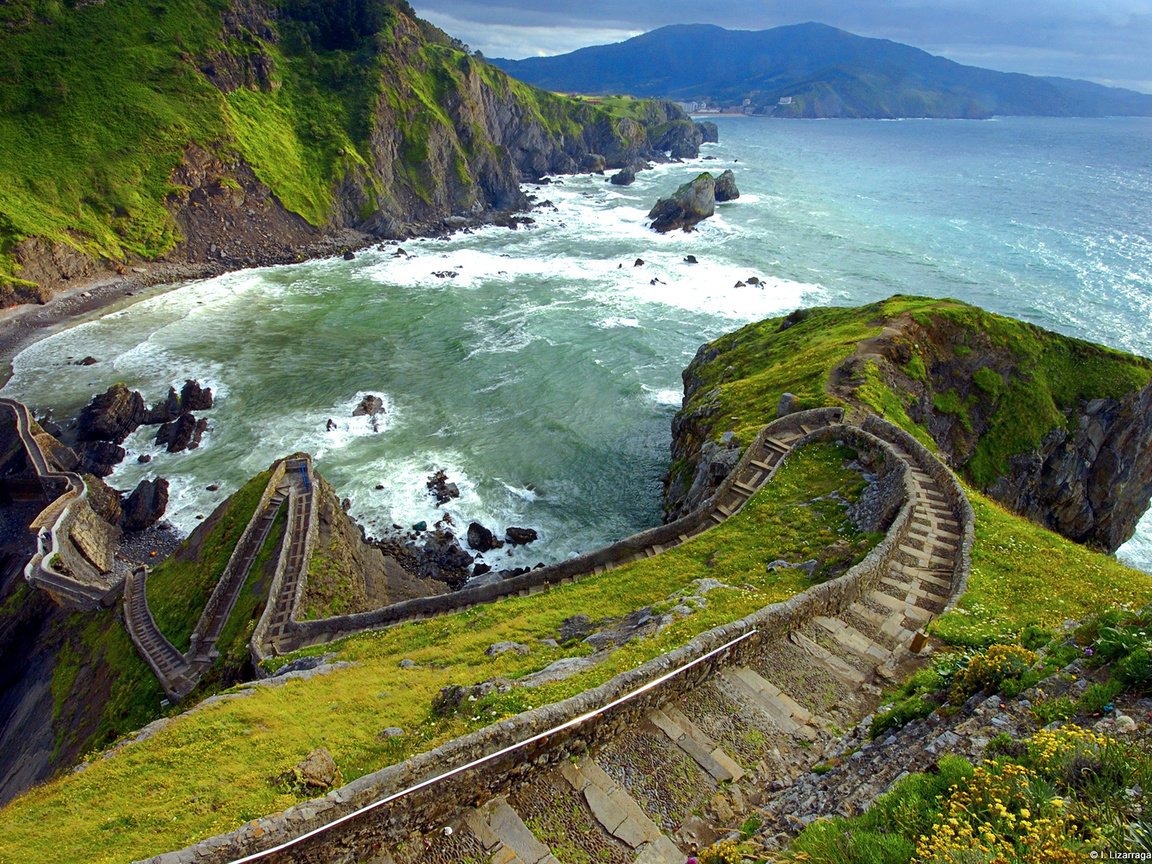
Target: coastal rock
<point>183,433</point>
<point>369,406</point>
<point>146,505</point>
<point>164,411</point>
<point>520,536</point>
<point>680,139</point>
<point>482,539</point>
<point>709,131</point>
<point>687,206</point>
<point>100,457</point>
<point>442,490</point>
<point>441,558</point>
<point>726,187</point>
<point>112,416</point>
<point>593,163</point>
<point>193,397</point>
<point>624,177</point>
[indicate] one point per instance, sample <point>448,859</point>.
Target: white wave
<point>613,321</point>
<point>664,396</point>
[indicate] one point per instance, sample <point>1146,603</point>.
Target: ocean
<point>541,367</point>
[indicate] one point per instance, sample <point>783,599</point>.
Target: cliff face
<point>1056,429</point>
<point>255,132</point>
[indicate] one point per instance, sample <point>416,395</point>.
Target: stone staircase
<point>58,566</point>
<point>180,673</point>
<point>703,755</point>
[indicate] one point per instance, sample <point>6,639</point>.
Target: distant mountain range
<point>813,70</point>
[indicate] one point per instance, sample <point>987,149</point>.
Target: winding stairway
<point>58,565</point>
<point>180,673</point>
<point>761,711</point>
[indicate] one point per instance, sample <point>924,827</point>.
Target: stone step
<point>854,640</point>
<point>698,746</point>
<point>838,666</point>
<point>923,558</point>
<point>504,835</point>
<point>619,813</point>
<point>912,613</point>
<point>785,712</point>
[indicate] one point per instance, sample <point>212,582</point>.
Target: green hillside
<point>351,113</point>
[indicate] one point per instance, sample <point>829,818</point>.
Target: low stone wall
<point>220,593</point>
<point>431,788</point>
<point>306,633</point>
<point>80,584</point>
<point>953,491</point>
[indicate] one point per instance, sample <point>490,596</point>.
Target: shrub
<point>989,669</point>
<point>993,816</point>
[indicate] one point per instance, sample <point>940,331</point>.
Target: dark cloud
<point>1101,40</point>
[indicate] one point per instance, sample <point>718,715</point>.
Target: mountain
<point>818,71</point>
<point>215,134</point>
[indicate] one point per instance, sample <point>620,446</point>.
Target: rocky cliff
<point>248,132</point>
<point>1057,429</point>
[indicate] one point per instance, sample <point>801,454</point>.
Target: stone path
<point>180,673</point>
<point>759,725</point>
<point>701,763</point>
<point>88,587</point>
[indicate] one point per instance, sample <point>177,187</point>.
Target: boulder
<point>498,648</point>
<point>146,505</point>
<point>316,771</point>
<point>100,457</point>
<point>726,187</point>
<point>442,491</point>
<point>574,627</point>
<point>112,416</point>
<point>623,177</point>
<point>481,539</point>
<point>442,559</point>
<point>183,433</point>
<point>688,205</point>
<point>520,536</point>
<point>592,163</point>
<point>164,411</point>
<point>369,406</point>
<point>193,397</point>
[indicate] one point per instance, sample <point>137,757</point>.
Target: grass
<point>182,785</point>
<point>1023,574</point>
<point>306,128</point>
<point>179,588</point>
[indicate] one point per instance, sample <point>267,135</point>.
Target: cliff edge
<point>1055,428</point>
<point>208,136</point>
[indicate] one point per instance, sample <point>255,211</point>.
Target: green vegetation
<point>1051,797</point>
<point>298,98</point>
<point>197,788</point>
<point>179,588</point>
<point>1024,575</point>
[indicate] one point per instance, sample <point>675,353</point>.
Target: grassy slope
<point>69,174</point>
<point>182,784</point>
<point>1021,573</point>
<point>179,588</point>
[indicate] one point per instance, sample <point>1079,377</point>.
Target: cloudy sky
<point>1107,41</point>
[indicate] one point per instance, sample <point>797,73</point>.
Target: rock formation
<point>726,187</point>
<point>688,205</point>
<point>112,415</point>
<point>146,505</point>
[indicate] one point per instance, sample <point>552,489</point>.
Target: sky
<point>1106,41</point>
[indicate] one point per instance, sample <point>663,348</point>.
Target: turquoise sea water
<point>544,374</point>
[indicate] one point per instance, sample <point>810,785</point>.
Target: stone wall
<point>220,593</point>
<point>426,791</point>
<point>953,491</point>
<point>306,633</point>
